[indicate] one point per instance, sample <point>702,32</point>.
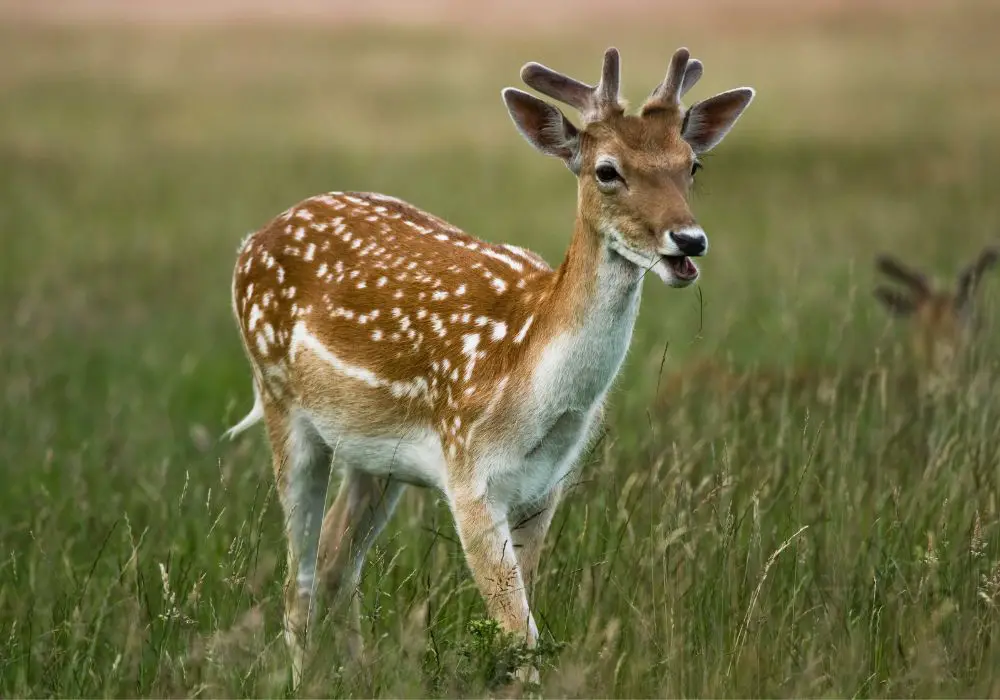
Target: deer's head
<point>945,316</point>
<point>635,171</point>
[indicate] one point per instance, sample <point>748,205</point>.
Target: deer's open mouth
<point>681,266</point>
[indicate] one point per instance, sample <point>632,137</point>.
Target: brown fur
<point>944,318</point>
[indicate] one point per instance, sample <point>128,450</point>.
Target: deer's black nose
<point>691,242</point>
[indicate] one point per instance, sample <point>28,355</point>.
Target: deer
<point>944,325</point>
<point>945,316</point>
<point>396,350</point>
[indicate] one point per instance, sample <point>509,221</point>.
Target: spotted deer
<point>393,346</point>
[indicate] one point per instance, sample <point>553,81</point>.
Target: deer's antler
<point>594,102</point>
<point>682,74</point>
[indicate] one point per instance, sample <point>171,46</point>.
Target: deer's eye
<point>608,174</point>
<point>695,167</point>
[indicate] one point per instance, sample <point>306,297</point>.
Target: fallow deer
<point>390,344</point>
<point>945,317</point>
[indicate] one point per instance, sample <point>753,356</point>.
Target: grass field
<point>752,544</point>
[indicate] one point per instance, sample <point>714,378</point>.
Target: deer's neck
<point>588,317</point>
<point>591,280</point>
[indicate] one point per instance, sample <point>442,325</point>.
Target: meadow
<point>755,543</point>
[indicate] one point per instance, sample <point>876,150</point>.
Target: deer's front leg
<point>489,550</point>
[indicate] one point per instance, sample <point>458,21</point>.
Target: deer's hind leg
<point>360,512</point>
<point>302,473</point>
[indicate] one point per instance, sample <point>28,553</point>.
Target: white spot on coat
<point>506,259</point>
<point>524,330</point>
<point>255,315</point>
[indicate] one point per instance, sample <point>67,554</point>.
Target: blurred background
<point>140,141</point>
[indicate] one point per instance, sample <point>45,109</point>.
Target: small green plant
<point>487,658</point>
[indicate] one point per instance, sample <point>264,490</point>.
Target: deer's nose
<point>690,241</point>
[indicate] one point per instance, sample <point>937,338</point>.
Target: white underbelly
<point>414,458</point>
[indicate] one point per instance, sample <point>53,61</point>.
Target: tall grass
<point>759,542</point>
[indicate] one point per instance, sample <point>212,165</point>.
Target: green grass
<point>758,544</point>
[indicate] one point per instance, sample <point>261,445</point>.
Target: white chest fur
<point>569,385</point>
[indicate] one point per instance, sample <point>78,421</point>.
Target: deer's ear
<point>971,276</point>
<point>707,122</point>
<point>898,304</point>
<point>914,281</point>
<point>544,127</point>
